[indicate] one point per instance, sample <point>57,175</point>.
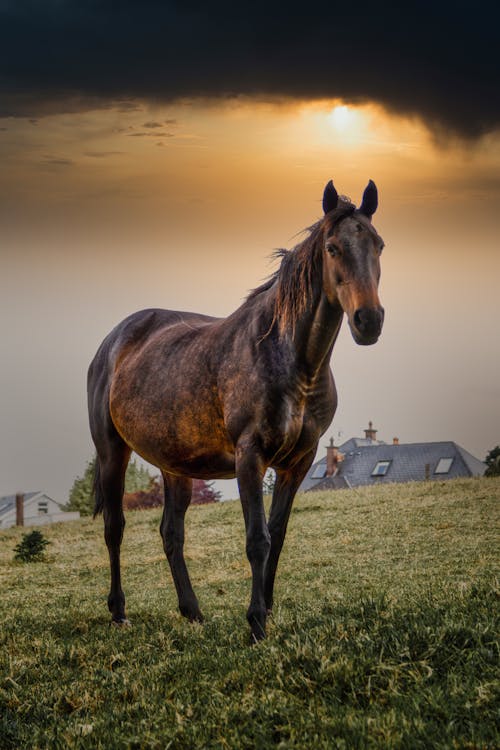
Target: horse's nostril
<point>358,319</point>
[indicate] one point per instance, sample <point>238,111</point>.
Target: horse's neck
<point>315,334</point>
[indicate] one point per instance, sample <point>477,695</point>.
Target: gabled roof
<point>407,462</point>
<point>476,467</point>
<point>8,502</point>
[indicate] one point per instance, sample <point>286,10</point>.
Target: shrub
<point>492,461</point>
<point>204,492</point>
<point>141,499</point>
<point>31,547</point>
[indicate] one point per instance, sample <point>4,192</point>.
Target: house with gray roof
<point>38,510</point>
<point>362,461</point>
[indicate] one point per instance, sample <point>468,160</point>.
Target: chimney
<point>332,458</point>
<point>370,433</point>
<point>395,441</point>
<point>19,509</point>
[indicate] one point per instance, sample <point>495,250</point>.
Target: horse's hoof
<point>257,637</point>
<point>257,632</point>
<point>191,613</point>
<point>121,623</point>
<point>257,621</point>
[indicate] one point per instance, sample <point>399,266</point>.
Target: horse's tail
<point>97,489</point>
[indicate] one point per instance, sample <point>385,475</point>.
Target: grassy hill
<point>384,635</point>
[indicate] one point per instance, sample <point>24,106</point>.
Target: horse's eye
<point>381,248</point>
<point>333,250</point>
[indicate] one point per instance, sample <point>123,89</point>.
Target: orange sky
<point>104,212</point>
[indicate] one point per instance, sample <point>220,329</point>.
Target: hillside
<point>384,635</point>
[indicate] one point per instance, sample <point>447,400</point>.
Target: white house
<point>39,510</point>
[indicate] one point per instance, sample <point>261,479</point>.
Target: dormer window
<point>381,468</point>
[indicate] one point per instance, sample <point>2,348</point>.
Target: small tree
<point>492,461</point>
<point>31,547</point>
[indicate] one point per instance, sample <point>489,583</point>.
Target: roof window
<point>319,471</point>
<point>381,468</point>
<point>443,466</point>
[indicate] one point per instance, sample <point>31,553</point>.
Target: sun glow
<point>347,122</point>
<point>342,117</point>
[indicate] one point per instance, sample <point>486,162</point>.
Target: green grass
<point>384,635</point>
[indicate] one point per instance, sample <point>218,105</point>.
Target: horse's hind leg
<point>177,498</point>
<point>111,465</point>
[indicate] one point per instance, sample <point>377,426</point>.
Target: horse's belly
<point>174,423</point>
<point>204,466</point>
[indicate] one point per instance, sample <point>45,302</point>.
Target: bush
<point>141,499</point>
<point>31,547</point>
<point>204,492</point>
<point>492,461</point>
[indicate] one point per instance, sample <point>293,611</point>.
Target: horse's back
<point>138,328</point>
<point>131,334</point>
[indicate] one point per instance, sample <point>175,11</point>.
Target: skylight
<point>381,468</point>
<point>443,466</point>
<point>319,471</point>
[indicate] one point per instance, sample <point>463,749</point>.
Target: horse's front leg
<point>249,472</point>
<point>285,488</point>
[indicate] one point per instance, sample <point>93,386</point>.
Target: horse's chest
<point>302,420</point>
<point>292,418</point>
<point>285,424</point>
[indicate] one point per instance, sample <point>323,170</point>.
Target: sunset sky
<point>154,156</point>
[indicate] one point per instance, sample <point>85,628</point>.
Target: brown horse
<point>203,397</point>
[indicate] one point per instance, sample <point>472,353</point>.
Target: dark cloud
<point>55,162</point>
<point>155,134</point>
<point>102,154</point>
<point>437,60</point>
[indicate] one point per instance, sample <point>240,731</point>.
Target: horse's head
<point>351,261</point>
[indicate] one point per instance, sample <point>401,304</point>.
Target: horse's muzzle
<point>366,324</point>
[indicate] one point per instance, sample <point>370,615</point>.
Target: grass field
<point>384,635</point>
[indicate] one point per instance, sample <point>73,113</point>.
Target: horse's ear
<point>330,198</point>
<point>370,200</point>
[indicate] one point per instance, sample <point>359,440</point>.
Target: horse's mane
<point>299,271</point>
